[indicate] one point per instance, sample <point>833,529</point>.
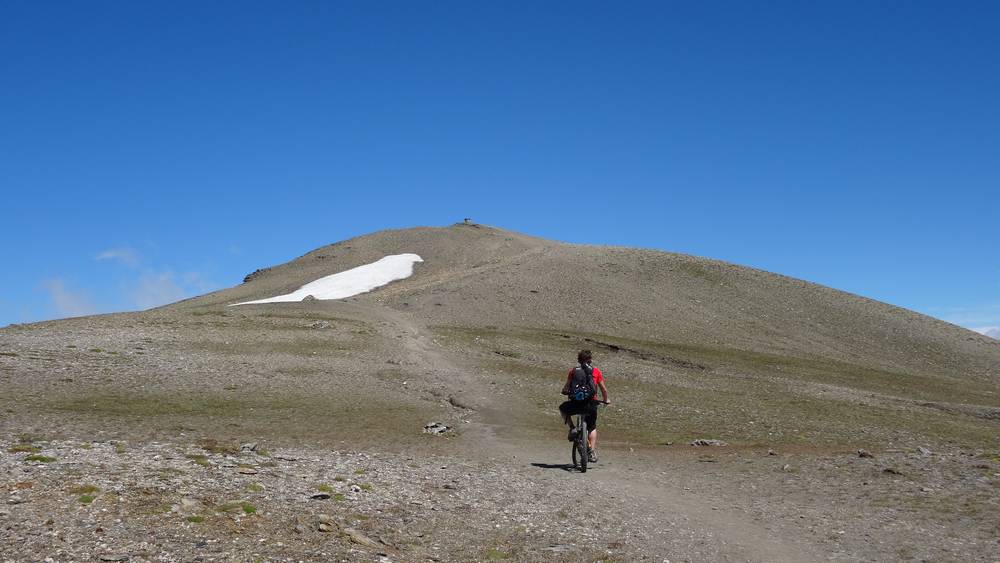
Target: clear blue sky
<point>151,151</point>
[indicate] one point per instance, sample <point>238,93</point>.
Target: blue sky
<point>154,151</point>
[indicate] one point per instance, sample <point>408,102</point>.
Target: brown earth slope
<point>150,408</point>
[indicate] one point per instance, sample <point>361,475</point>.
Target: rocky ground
<point>294,432</point>
<point>117,501</point>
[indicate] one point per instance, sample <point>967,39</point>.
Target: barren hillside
<point>795,377</point>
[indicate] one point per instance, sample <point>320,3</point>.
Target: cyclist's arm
<point>565,389</point>
<point>604,392</point>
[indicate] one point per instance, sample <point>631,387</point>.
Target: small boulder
<point>436,428</point>
<point>864,453</point>
<point>706,442</point>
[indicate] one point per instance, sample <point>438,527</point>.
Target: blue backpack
<point>581,385</point>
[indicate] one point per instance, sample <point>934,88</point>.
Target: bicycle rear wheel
<point>580,446</point>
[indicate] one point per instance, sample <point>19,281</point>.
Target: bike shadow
<point>563,466</point>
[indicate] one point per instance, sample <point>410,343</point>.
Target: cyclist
<point>588,406</point>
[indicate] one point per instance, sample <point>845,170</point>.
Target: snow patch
<point>351,282</point>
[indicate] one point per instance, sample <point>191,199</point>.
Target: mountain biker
<point>588,406</point>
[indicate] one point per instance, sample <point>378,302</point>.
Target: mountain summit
<point>271,410</point>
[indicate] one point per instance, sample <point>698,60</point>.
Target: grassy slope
<point>693,348</point>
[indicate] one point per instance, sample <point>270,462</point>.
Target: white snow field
<point>351,282</point>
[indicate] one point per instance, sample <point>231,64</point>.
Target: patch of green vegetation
<point>264,453</point>
<point>321,416</point>
<point>324,488</point>
<point>237,506</point>
<point>199,459</point>
<point>338,478</point>
<point>84,489</point>
<point>359,471</point>
<point>771,402</point>
<point>119,448</point>
<point>161,508</point>
<point>195,519</point>
<point>9,354</point>
<point>86,499</point>
<point>214,446</point>
<point>22,448</point>
<point>96,350</point>
<point>40,458</point>
<point>339,497</point>
<point>368,487</point>
<point>494,554</point>
<point>255,487</point>
<point>71,345</point>
<point>210,313</point>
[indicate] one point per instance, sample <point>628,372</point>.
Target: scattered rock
<point>923,450</point>
<point>786,468</point>
<point>707,442</point>
<point>250,447</point>
<point>320,325</point>
<point>324,527</point>
<point>864,453</point>
<point>892,471</point>
<point>247,471</point>
<point>254,274</point>
<point>309,299</point>
<point>114,558</point>
<point>361,539</point>
<point>320,496</point>
<point>325,518</point>
<point>355,489</point>
<point>772,452</point>
<point>436,428</point>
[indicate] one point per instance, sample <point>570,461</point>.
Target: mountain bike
<point>580,451</point>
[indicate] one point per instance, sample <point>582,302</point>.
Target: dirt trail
<point>626,488</point>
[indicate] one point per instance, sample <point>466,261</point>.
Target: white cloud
<point>67,302</point>
<point>985,315</point>
<point>991,331</point>
<point>160,288</point>
<point>125,255</point>
<point>155,289</point>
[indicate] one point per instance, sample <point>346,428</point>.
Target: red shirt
<point>598,380</point>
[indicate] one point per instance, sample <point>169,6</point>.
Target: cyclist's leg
<point>592,427</point>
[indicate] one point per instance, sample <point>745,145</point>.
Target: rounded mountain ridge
<point>480,276</point>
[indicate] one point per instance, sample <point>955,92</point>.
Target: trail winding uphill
<point>293,431</point>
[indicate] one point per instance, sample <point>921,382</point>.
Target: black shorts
<point>589,408</point>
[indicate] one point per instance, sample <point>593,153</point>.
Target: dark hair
<point>584,357</point>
